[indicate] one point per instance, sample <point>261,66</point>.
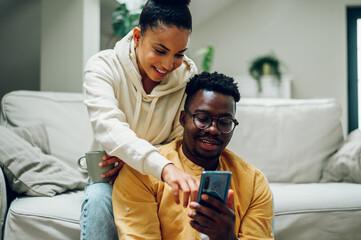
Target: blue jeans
<point>97,220</point>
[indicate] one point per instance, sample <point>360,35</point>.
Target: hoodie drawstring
<point>149,116</point>
<point>137,109</point>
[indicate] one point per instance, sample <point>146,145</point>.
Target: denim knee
<point>96,220</point>
<point>98,197</point>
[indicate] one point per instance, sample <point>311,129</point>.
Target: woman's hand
<point>179,180</point>
<point>111,160</point>
<point>217,221</point>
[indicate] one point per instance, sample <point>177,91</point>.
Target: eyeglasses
<point>202,121</point>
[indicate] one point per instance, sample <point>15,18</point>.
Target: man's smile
<point>209,143</point>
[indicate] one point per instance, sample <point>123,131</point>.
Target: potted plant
<point>263,66</point>
<point>125,20</point>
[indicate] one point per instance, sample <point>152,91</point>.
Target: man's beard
<point>204,158</point>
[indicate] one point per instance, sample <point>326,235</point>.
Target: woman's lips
<point>160,72</point>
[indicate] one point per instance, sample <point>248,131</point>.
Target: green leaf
<point>208,59</point>
<point>123,20</point>
<point>208,56</point>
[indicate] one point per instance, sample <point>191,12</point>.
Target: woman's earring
<point>137,36</point>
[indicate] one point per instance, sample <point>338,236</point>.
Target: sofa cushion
<point>288,139</point>
<point>44,217</point>
<point>330,211</point>
<point>29,171</point>
<point>63,114</point>
<point>345,164</point>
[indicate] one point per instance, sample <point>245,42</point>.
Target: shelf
<point>270,88</point>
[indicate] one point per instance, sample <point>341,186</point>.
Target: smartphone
<point>215,183</point>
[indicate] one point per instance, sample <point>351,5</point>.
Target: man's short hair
<point>216,82</point>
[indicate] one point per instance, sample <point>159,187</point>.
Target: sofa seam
<point>23,93</point>
<point>43,216</point>
<point>305,102</point>
<point>318,211</point>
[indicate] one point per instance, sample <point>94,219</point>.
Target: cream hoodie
<point>127,121</point>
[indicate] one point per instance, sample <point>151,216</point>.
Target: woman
<point>134,95</point>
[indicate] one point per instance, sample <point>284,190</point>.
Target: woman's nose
<point>168,63</point>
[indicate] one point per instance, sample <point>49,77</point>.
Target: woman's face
<point>160,50</point>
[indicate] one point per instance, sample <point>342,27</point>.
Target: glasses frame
<point>213,118</point>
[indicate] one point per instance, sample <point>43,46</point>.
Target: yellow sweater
<point>144,207</point>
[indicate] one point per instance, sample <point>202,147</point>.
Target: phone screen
<point>215,183</point>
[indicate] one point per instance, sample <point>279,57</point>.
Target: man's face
<point>204,146</point>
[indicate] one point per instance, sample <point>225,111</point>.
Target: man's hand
<point>216,222</point>
<point>111,160</point>
<point>179,180</point>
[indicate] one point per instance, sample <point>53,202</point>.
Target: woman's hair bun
<point>172,2</point>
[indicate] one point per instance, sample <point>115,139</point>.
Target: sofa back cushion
<point>63,114</point>
<point>289,140</point>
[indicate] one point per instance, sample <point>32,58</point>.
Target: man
<point>144,207</point>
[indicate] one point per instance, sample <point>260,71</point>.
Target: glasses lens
<point>225,124</point>
<point>202,120</point>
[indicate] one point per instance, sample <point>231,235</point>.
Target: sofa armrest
<point>3,201</point>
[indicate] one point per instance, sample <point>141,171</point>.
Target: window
<point>354,66</point>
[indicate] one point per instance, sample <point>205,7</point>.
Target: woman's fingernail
<point>103,176</point>
<point>193,204</point>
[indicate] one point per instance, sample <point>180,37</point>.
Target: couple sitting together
<point>143,93</point>
<point>144,207</point>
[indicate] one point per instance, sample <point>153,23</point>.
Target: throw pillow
<point>29,171</point>
<point>36,135</point>
<point>345,164</point>
<point>3,201</point>
<point>289,140</point>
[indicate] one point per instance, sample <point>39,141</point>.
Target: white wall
<point>19,45</point>
<point>70,34</point>
<point>308,36</point>
<point>106,33</point>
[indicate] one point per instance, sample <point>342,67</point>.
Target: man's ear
<point>182,118</point>
<point>136,35</point>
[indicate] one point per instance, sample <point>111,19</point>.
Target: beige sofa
<point>292,141</point>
